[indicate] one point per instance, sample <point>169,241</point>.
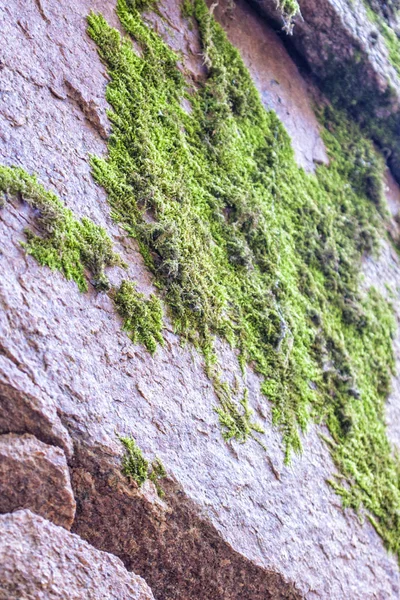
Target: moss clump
<point>235,418</point>
<point>157,472</point>
<point>135,467</point>
<point>65,243</point>
<point>246,246</point>
<point>75,246</point>
<point>143,319</point>
<point>289,9</point>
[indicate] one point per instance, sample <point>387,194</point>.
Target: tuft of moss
<point>244,245</point>
<point>65,243</point>
<point>289,10</point>
<point>134,465</point>
<point>156,474</point>
<point>136,468</point>
<point>235,418</point>
<point>143,319</point>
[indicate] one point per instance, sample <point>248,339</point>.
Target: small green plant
<point>135,467</point>
<point>157,472</point>
<point>143,319</point>
<point>289,9</point>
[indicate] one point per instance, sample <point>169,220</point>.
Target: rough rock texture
<point>40,561</point>
<point>344,49</point>
<point>235,522</point>
<point>34,475</point>
<point>277,78</point>
<point>332,30</point>
<point>24,406</point>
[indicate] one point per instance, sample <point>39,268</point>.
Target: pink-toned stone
<point>35,475</point>
<point>236,523</point>
<point>40,561</point>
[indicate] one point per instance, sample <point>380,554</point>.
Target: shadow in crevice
<point>177,551</point>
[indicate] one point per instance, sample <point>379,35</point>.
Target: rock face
<point>34,475</point>
<point>39,560</point>
<point>235,522</point>
<point>345,48</point>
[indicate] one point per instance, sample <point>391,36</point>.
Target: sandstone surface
<point>34,475</point>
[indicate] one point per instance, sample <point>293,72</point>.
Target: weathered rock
<point>278,79</point>
<point>348,53</point>
<point>39,560</point>
<point>235,522</point>
<point>34,475</point>
<point>24,406</point>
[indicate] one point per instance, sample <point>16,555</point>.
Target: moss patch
<point>136,468</point>
<point>143,319</point>
<point>246,246</point>
<point>77,248</point>
<point>65,243</point>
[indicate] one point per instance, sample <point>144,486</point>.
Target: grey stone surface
<point>235,522</point>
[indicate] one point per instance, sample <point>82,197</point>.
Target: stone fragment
<point>25,407</point>
<point>34,475</point>
<point>40,561</point>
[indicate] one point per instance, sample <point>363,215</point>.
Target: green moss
<point>76,247</point>
<point>65,243</point>
<point>245,246</point>
<point>376,16</point>
<point>289,9</point>
<point>134,465</point>
<point>143,319</point>
<point>235,418</point>
<point>156,474</point>
<point>136,468</point>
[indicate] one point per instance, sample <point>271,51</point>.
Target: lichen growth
<point>245,246</point>
<point>64,243</point>
<point>143,318</point>
<point>136,468</point>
